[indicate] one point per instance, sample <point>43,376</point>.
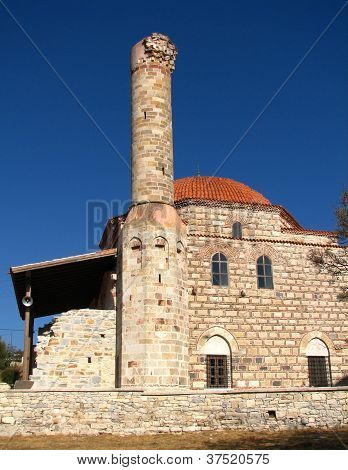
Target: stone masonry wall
<point>152,61</point>
<point>77,351</point>
<point>124,412</point>
<point>267,329</point>
<point>152,321</point>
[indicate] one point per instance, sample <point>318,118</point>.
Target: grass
<point>214,440</point>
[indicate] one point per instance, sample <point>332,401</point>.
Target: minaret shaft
<point>152,315</point>
<point>152,62</point>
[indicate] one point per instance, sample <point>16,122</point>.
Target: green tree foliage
<point>4,355</point>
<point>9,373</point>
<point>335,262</point>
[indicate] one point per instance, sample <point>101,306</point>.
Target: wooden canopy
<point>62,284</point>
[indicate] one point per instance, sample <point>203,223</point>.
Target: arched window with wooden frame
<point>218,362</point>
<point>219,270</point>
<point>264,273</point>
<point>237,231</point>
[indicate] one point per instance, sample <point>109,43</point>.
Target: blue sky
<point>233,56</point>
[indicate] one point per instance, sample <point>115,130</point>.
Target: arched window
<point>264,273</point>
<point>319,368</point>
<point>134,258</point>
<point>180,250</point>
<point>161,245</point>
<point>219,270</point>
<point>237,230</point>
<point>218,358</point>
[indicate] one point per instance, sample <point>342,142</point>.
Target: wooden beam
<point>63,261</point>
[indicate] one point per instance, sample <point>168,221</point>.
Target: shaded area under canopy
<point>62,284</point>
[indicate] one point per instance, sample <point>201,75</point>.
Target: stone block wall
<point>124,412</point>
<point>152,321</point>
<point>77,351</point>
<point>266,329</point>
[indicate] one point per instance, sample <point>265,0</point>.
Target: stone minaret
<point>152,313</point>
<point>152,62</point>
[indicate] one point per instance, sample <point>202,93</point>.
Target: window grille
<point>319,370</point>
<point>264,273</point>
<point>219,270</point>
<point>218,371</point>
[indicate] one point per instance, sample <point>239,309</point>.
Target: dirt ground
<point>214,440</point>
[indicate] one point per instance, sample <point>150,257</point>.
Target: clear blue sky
<point>232,58</point>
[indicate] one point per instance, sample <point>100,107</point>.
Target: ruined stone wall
<point>267,329</point>
<point>88,412</point>
<point>107,295</point>
<point>77,351</point>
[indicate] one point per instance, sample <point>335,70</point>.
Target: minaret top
<point>156,48</point>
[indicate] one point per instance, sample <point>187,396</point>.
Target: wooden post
<point>28,334</point>
<point>27,344</point>
<point>31,338</point>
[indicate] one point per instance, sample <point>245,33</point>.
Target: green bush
<point>10,375</point>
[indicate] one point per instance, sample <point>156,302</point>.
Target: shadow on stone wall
<point>343,382</point>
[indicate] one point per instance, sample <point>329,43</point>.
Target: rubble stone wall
<point>124,412</point>
<point>77,351</point>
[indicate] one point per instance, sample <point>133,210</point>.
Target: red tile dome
<point>212,188</point>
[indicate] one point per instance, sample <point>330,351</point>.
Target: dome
<point>212,188</point>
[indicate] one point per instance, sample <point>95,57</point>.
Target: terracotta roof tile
<point>212,188</point>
